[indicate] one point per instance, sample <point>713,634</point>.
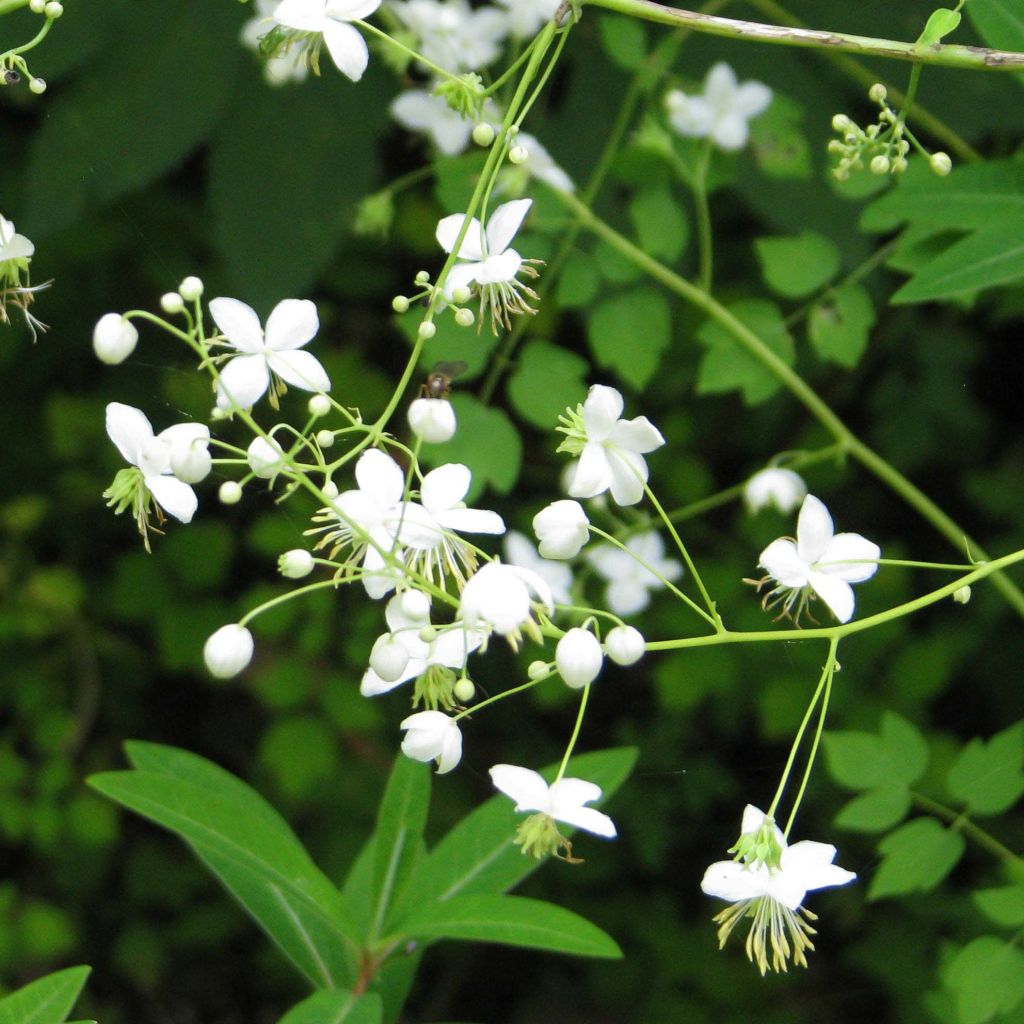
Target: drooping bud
<point>265,458</point>
<point>114,339</point>
<point>432,419</point>
<point>562,529</point>
<point>578,657</point>
<point>625,645</point>
<point>228,651</point>
<point>296,564</point>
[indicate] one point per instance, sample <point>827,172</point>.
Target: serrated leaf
<point>797,265</point>
<point>840,324</point>
<point>988,777</point>
<point>478,855</point>
<point>939,24</point>
<point>860,760</point>
<point>876,810</point>
<point>661,224</point>
<point>624,40</point>
<point>727,366</point>
<point>46,1000</point>
<point>1003,905</point>
<point>545,381</point>
<point>335,1006</point>
<point>915,858</point>
<point>1000,23</point>
<point>987,978</point>
<point>629,332</point>
<point>991,256</point>
<point>511,921</point>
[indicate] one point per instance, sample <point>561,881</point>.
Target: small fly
<point>439,381</point>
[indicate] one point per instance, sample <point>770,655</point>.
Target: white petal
<point>523,785</point>
<point>307,15</point>
<point>814,529</point>
<point>19,247</point>
<point>351,10</point>
<point>348,49</point>
<point>730,131</point>
<point>445,487</point>
<point>720,85</point>
<point>129,429</point>
<point>849,556</point>
<point>504,223</point>
<point>184,434</point>
<point>636,435</point>
<point>835,592</point>
<point>601,410</point>
<point>291,324</point>
<point>813,862</point>
<point>238,323</point>
<point>380,477</point>
<point>572,793</point>
<point>463,275</point>
<point>731,881</point>
<point>448,229</point>
<point>753,819</point>
<point>500,268</point>
<point>453,646</point>
<point>451,751</point>
<point>300,369</point>
<point>243,379</point>
<point>752,98</point>
<point>590,819</point>
<point>372,685</point>
<point>629,474</point>
<point>694,119</point>
<point>173,496</point>
<point>593,474</point>
<point>782,562</point>
<point>627,596</point>
<point>472,520</point>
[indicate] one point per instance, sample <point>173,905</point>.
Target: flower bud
<point>880,164</point>
<point>537,669</point>
<point>114,338</point>
<point>172,302</point>
<point>330,489</point>
<point>578,657</point>
<point>389,658</point>
<point>624,645</point>
<point>319,405</point>
<point>191,288</point>
<point>465,318</point>
<point>295,564</point>
<point>940,164</point>
<point>228,651</point>
<point>432,419</point>
<point>562,529</point>
<point>781,489</point>
<point>432,735</point>
<point>400,304</point>
<point>37,6</point>
<point>841,122</point>
<point>325,438</point>
<point>230,492</point>
<point>426,330</point>
<point>962,595</point>
<point>422,277</point>
<point>518,155</point>
<point>483,134</point>
<point>461,294</point>
<point>877,92</point>
<point>37,86</point>
<point>191,462</point>
<point>53,9</point>
<point>265,458</point>
<point>464,690</point>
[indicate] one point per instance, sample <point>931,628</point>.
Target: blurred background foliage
<point>157,152</point>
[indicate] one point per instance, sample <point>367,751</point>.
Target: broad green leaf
<point>511,921</point>
<point>615,268</point>
<point>727,366</point>
<point>915,858</point>
<point>256,857</point>
<point>451,344</point>
<point>939,24</point>
<point>660,223</point>
<point>988,776</point>
<point>169,95</point>
<point>486,441</point>
<point>398,836</point>
<point>624,40</point>
<point>47,1000</point>
<point>798,265</point>
<point>1003,906</point>
<point>629,332</point>
<point>876,810</point>
<point>1000,23</point>
<point>545,381</point>
<point>861,760</point>
<point>987,978</point>
<point>839,325</point>
<point>335,1006</point>
<point>579,281</point>
<point>478,856</point>
<point>357,892</point>
<point>778,140</point>
<point>991,256</point>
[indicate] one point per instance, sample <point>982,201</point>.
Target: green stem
<point>951,56</point>
<point>418,57</point>
<point>704,236</point>
<point>7,6</point>
<point>528,685</point>
<point>575,734</point>
<point>797,386</point>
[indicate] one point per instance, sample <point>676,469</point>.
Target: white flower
<point>541,165</point>
<point>453,35</point>
<point>500,596</point>
<point>432,419</point>
<point>772,892</point>
<point>422,111</point>
<point>722,112</point>
<point>114,338</point>
<point>525,17</point>
<point>561,801</point>
<point>562,529</point>
<point>781,488</point>
<point>611,450</point>
<point>632,573</point>
<point>488,262</point>
<point>819,562</point>
<point>12,245</point>
<point>132,433</point>
<point>331,18</point>
<point>432,735</point>
<point>558,576</point>
<point>624,645</point>
<point>247,375</point>
<point>578,657</point>
<point>228,651</point>
<point>288,64</point>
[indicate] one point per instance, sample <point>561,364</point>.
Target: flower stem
<point>704,235</point>
<point>575,733</point>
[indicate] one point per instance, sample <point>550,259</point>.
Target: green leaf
<point>778,140</point>
<point>915,858</point>
<point>335,1006</point>
<point>249,847</point>
<point>839,325</point>
<point>1000,23</point>
<point>511,921</point>
<point>987,978</point>
<point>46,1000</point>
<point>1003,905</point>
<point>797,265</point>
<point>726,366</point>
<point>876,810</point>
<point>545,381</point>
<point>860,760</point>
<point>939,24</point>
<point>988,777</point>
<point>478,856</point>
<point>450,344</point>
<point>624,40</point>
<point>660,223</point>
<point>991,256</point>
<point>579,282</point>
<point>398,837</point>
<point>629,332</point>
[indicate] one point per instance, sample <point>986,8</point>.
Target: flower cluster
<point>721,112</point>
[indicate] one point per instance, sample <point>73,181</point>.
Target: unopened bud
<point>191,288</point>
<point>400,304</point>
<point>518,155</point>
<point>880,164</point>
<point>37,86</point>
<point>114,339</point>
<point>483,134</point>
<point>465,317</point>
<point>464,690</point>
<point>422,277</point>
<point>230,492</point>
<point>330,490</point>
<point>37,6</point>
<point>319,405</point>
<point>962,595</point>
<point>537,669</point>
<point>461,294</point>
<point>54,9</point>
<point>426,330</point>
<point>841,122</point>
<point>295,564</point>
<point>877,93</point>
<point>940,164</point>
<point>325,438</point>
<point>228,651</point>
<point>172,302</point>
